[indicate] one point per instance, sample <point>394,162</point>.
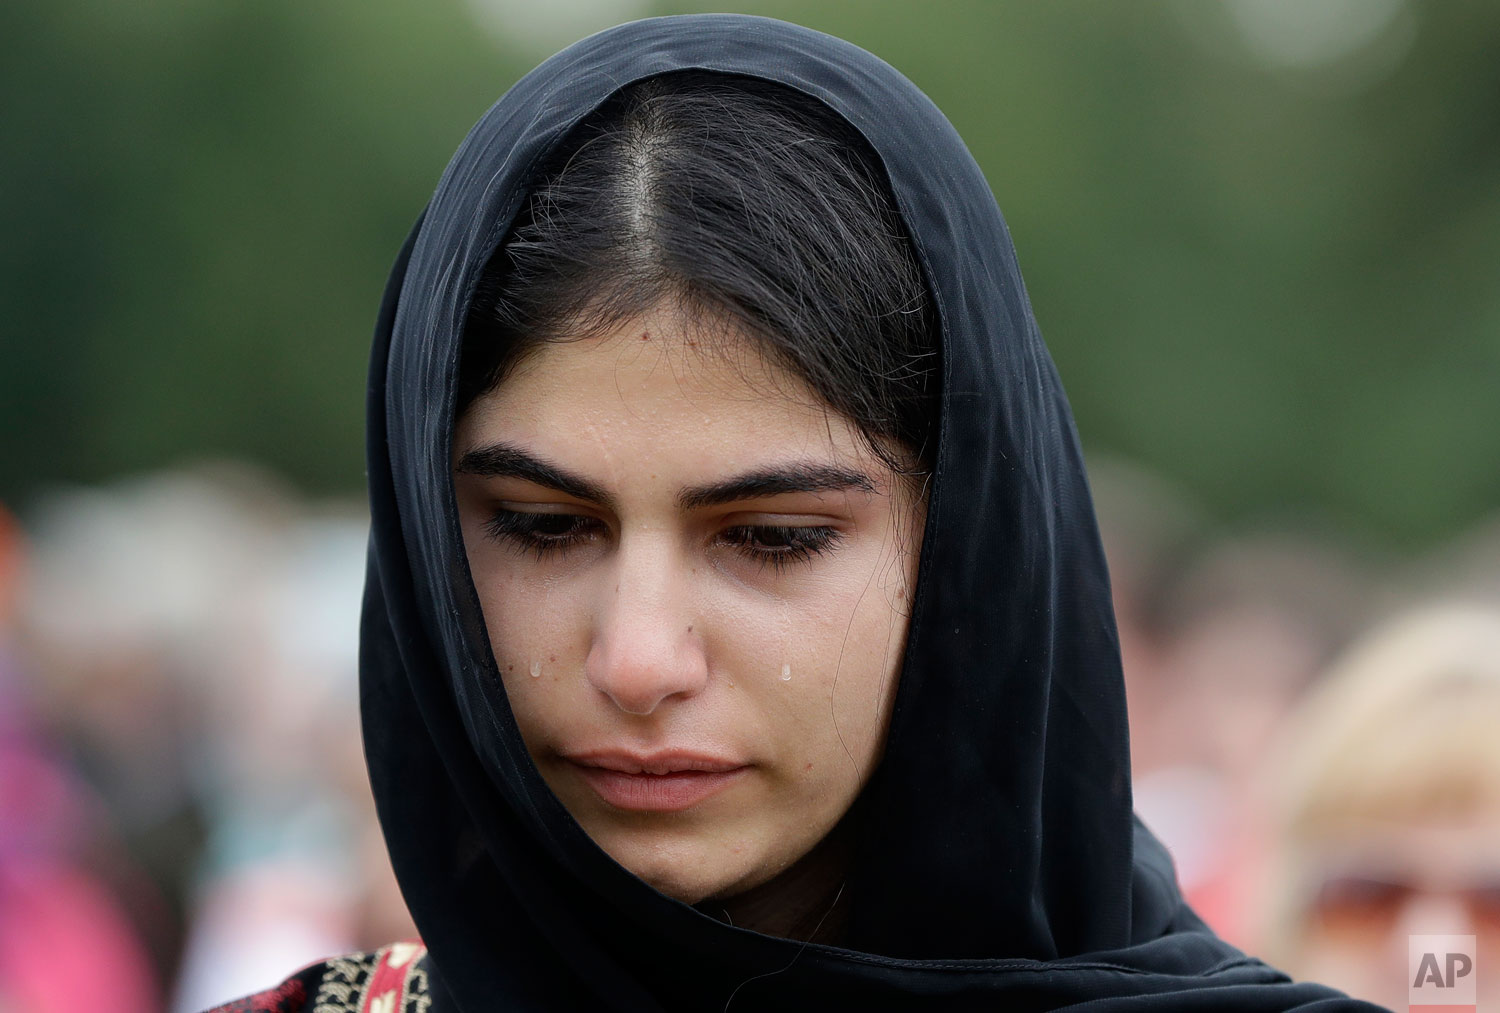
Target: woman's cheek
<point>539,640</point>
<point>835,711</point>
<point>860,699</point>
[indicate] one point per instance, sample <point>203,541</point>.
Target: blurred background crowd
<point>1261,237</point>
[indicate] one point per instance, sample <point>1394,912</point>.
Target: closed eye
<point>542,533</point>
<point>548,533</point>
<point>778,545</point>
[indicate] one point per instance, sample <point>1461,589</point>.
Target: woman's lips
<point>657,783</point>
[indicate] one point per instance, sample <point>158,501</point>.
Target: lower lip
<point>658,792</point>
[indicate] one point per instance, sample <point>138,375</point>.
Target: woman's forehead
<point>706,354</point>
<point>663,394</point>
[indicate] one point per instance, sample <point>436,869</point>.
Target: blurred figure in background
<point>275,885</point>
<point>1388,818</point>
<point>195,633</point>
<point>1218,638</point>
<point>66,945</point>
<point>1241,633</point>
<point>1150,530</point>
<point>126,615</point>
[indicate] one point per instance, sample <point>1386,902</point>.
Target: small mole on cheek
<point>645,335</point>
<point>807,768</point>
<point>551,657</point>
<point>690,629</point>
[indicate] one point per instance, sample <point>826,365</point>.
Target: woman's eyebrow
<point>774,482</point>
<point>504,460</point>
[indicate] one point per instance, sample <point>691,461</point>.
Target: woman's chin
<point>676,886</point>
<point>684,869</point>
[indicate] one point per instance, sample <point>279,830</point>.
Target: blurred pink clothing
<point>65,944</point>
<point>65,947</point>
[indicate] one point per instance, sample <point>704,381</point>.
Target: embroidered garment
<point>392,979</point>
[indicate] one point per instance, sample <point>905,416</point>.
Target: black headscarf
<point>997,863</point>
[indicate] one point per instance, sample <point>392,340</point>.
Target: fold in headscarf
<point>997,863</point>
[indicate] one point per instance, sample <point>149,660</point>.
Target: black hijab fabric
<point>998,864</point>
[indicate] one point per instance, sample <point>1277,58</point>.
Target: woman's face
<point>696,581</point>
<point>1385,881</point>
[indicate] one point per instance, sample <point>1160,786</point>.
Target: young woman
<point>737,634</point>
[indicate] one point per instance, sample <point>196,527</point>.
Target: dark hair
<point>744,202</point>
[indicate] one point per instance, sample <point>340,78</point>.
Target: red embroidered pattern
<point>392,979</point>
<point>390,984</point>
<point>288,997</point>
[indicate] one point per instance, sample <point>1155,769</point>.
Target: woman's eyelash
<point>541,533</point>
<point>778,545</point>
<point>774,545</point>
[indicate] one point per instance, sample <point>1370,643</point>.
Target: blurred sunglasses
<point>1361,904</point>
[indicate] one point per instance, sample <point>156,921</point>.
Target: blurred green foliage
<point>1277,284</point>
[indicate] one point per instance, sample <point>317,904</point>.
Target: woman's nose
<point>644,649</point>
<point>1434,913</point>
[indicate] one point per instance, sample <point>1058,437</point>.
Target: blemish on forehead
<point>645,335</point>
